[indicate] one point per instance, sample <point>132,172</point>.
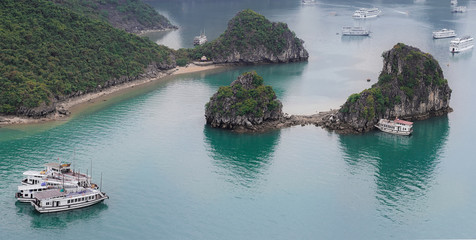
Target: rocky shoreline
<point>62,109</point>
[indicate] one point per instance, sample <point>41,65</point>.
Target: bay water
<point>169,176</point>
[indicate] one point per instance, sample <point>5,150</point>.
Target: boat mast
<point>100,186</point>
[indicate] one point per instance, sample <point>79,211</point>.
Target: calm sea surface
<point>170,176</point>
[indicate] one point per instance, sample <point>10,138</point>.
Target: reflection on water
<point>241,158</point>
<point>403,167</point>
<point>59,220</point>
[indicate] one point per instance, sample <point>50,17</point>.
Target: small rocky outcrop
<point>245,103</point>
<point>411,86</point>
<point>251,38</point>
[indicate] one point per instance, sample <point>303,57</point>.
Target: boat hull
<point>50,209</point>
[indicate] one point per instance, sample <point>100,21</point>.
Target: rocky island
<point>245,103</point>
<point>251,38</point>
<point>411,86</point>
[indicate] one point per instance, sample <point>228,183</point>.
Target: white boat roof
<point>32,173</point>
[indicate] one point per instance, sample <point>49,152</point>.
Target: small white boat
<point>461,44</point>
<point>444,33</point>
<point>459,9</point>
<point>26,193</point>
<point>366,13</point>
<point>58,200</point>
<point>55,172</point>
<point>397,126</point>
<point>308,1</point>
<point>355,31</point>
<point>454,2</point>
<point>199,40</point>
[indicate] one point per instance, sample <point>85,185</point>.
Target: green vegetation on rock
<point>130,15</point>
<point>408,78</point>
<point>255,38</point>
<point>246,100</point>
<point>48,52</point>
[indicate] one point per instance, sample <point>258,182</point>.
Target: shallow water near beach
<point>170,176</point>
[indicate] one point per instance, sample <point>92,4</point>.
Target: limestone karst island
<point>237,119</point>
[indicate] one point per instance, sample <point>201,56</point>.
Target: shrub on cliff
<point>411,86</point>
<point>247,101</point>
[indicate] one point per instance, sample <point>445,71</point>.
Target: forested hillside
<point>48,51</point>
<point>132,16</point>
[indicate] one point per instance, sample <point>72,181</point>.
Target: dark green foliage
<point>254,101</point>
<point>47,51</point>
<point>182,62</point>
<point>127,9</point>
<point>246,31</point>
<point>353,98</point>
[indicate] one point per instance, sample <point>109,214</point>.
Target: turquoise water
<point>170,176</point>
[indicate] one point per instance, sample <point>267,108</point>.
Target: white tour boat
<point>454,2</point>
<point>308,1</point>
<point>26,193</point>
<point>399,127</point>
<point>199,40</point>
<point>366,13</point>
<point>57,200</point>
<point>355,31</point>
<point>54,172</point>
<point>459,9</point>
<point>461,44</point>
<point>444,33</point>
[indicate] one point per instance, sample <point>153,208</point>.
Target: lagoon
<point>170,176</point>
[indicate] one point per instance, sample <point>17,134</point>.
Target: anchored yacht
<point>461,44</point>
<point>26,193</point>
<point>199,40</point>
<point>444,33</point>
<point>459,9</point>
<point>366,13</point>
<point>57,200</point>
<point>355,31</point>
<point>397,126</point>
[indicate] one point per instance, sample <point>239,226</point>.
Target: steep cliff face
<point>251,38</point>
<point>247,102</point>
<point>411,86</point>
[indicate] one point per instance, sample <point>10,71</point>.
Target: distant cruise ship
<point>461,44</point>
<point>459,9</point>
<point>354,31</point>
<point>444,33</point>
<point>454,2</point>
<point>199,40</point>
<point>366,13</point>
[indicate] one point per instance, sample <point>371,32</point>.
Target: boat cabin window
<point>47,203</point>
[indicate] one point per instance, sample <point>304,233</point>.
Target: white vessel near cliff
<point>397,126</point>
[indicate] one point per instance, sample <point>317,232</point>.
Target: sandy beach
<point>79,103</point>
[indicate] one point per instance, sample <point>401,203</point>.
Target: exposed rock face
<point>251,38</point>
<point>246,103</point>
<point>411,86</point>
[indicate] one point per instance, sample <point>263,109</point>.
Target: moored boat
<point>25,193</point>
<point>454,2</point>
<point>444,33</point>
<point>397,126</point>
<point>58,200</point>
<point>355,31</point>
<point>366,13</point>
<point>459,9</point>
<point>461,44</point>
<point>199,40</point>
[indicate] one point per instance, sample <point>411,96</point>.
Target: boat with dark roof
<point>57,200</point>
<point>397,126</point>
